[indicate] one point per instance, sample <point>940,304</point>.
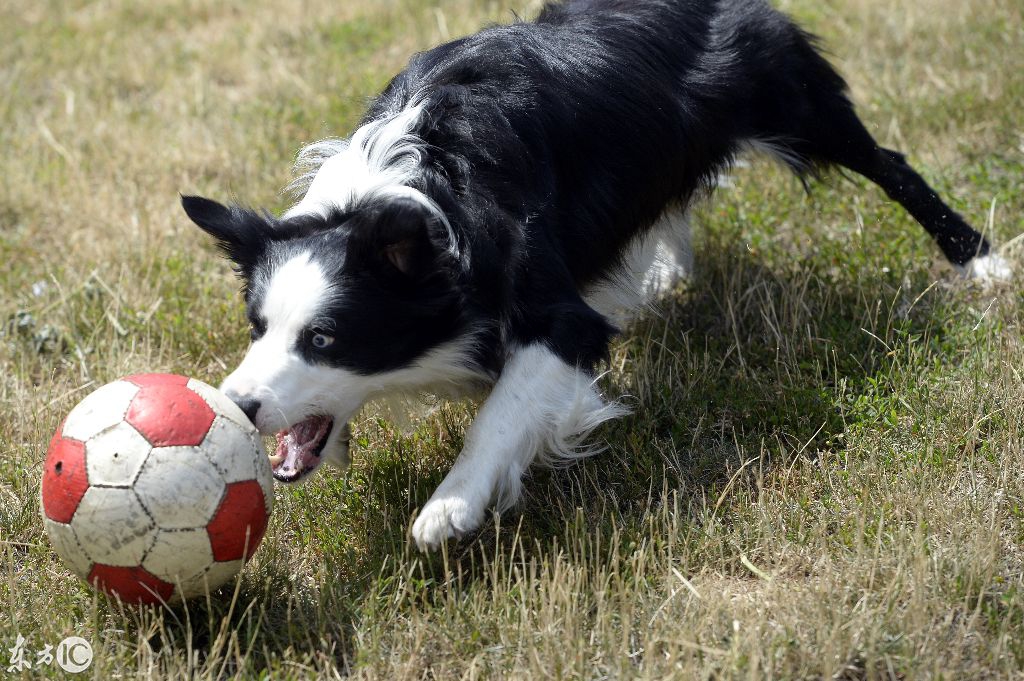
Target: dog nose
<point>248,407</point>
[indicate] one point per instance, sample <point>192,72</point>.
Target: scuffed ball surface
<point>156,488</point>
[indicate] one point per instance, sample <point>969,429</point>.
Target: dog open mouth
<point>299,448</point>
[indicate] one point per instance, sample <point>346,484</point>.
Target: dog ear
<point>402,237</point>
<point>241,234</point>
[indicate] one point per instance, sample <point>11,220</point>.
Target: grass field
<point>822,474</point>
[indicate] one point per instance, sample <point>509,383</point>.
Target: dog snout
<point>249,407</point>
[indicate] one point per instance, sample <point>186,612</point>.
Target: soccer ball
<point>156,488</point>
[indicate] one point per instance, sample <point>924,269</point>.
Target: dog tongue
<point>297,446</point>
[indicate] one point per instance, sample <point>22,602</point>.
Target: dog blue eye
<point>321,341</point>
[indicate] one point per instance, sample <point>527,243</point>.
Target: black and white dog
<point>504,199</point>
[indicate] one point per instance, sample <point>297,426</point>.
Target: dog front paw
<point>443,519</point>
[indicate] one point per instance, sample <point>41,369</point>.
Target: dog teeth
<point>275,459</point>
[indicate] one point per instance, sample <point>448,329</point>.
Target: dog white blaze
<point>540,406</point>
<point>288,387</point>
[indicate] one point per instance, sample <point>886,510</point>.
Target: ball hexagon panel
<point>65,543</point>
<point>168,414</point>
<point>115,456</point>
<point>210,579</point>
<point>179,555</point>
<point>102,409</point>
<point>179,487</point>
<point>221,404</point>
<point>112,526</point>
<point>65,479</point>
<point>260,466</point>
<point>232,450</point>
<point>131,584</point>
<point>241,520</point>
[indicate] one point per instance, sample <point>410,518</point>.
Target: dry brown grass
<point>821,477</point>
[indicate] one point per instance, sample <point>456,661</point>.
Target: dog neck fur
<point>382,158</point>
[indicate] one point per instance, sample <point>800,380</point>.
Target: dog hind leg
<point>854,148</point>
<point>807,114</point>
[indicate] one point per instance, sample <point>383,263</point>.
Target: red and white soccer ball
<point>156,488</point>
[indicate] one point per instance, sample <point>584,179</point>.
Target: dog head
<point>342,306</point>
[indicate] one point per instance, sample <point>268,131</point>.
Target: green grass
<point>820,476</point>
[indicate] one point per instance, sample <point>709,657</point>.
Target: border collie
<point>503,200</point>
